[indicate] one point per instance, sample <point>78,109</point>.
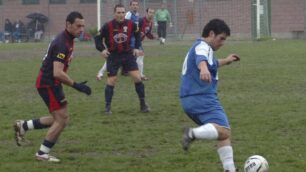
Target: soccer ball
<point>256,163</point>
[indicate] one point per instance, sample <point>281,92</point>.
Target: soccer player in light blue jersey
<point>198,92</point>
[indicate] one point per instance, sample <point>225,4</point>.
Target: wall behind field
<point>188,16</point>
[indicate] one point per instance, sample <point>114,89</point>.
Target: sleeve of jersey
<point>201,52</point>
<point>137,36</point>
<point>99,39</point>
<point>59,53</point>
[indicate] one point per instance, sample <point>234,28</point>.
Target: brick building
<point>286,19</point>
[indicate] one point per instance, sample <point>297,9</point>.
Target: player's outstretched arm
<point>228,60</point>
<point>58,73</point>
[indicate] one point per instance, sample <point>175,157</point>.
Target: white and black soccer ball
<point>256,163</point>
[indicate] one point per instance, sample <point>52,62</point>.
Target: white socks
<point>207,131</point>
<point>30,124</point>
<point>140,65</point>
<point>102,70</point>
<point>227,158</point>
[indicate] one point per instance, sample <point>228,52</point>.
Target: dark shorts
<point>53,97</point>
<point>126,60</point>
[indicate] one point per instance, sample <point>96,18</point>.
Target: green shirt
<point>162,15</point>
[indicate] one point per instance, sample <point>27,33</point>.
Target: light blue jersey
<point>199,98</point>
<point>132,16</point>
<point>135,18</point>
<point>191,84</point>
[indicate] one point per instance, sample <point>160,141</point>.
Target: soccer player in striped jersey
<point>130,15</point>
<point>116,35</point>
<point>198,92</point>
<point>145,26</point>
<point>52,74</point>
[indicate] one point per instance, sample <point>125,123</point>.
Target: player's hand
<point>155,24</point>
<point>205,75</point>
<point>136,52</point>
<point>82,87</point>
<point>170,24</point>
<point>140,53</point>
<point>105,53</point>
<point>142,34</point>
<point>232,57</point>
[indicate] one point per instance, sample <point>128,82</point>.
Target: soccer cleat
<point>108,110</point>
<point>46,157</point>
<point>19,132</point>
<point>144,78</point>
<point>144,108</point>
<point>187,140</point>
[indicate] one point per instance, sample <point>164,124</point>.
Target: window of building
<point>88,1</point>
<point>57,1</point>
<point>30,2</point>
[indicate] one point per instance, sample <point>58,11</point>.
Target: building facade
<point>285,19</point>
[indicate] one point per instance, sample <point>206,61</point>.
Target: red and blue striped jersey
<point>117,36</point>
<point>60,49</point>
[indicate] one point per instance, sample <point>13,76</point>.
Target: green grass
<point>263,95</point>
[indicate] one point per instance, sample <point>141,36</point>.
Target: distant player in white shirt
<point>198,92</point>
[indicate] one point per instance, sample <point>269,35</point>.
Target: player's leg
<point>211,131</point>
<point>163,31</point>
<point>213,125</point>
<point>101,72</point>
<point>139,61</point>
<point>140,90</point>
<point>48,95</point>
<point>55,100</point>
<point>109,92</point>
<point>61,119</point>
<point>131,66</point>
<point>113,65</point>
<point>140,64</point>
<point>225,151</point>
<point>22,126</point>
<point>159,32</point>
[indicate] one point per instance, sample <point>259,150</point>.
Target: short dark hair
<point>218,26</point>
<point>74,15</point>
<point>147,10</point>
<point>118,6</point>
<point>133,1</point>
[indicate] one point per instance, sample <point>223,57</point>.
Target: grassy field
<point>263,95</point>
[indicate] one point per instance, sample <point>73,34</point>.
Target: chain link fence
<point>190,16</point>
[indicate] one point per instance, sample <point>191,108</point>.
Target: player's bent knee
<point>61,118</point>
<point>224,133</point>
<point>67,120</point>
<point>111,80</point>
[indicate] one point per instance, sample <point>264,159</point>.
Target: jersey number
<point>184,69</point>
